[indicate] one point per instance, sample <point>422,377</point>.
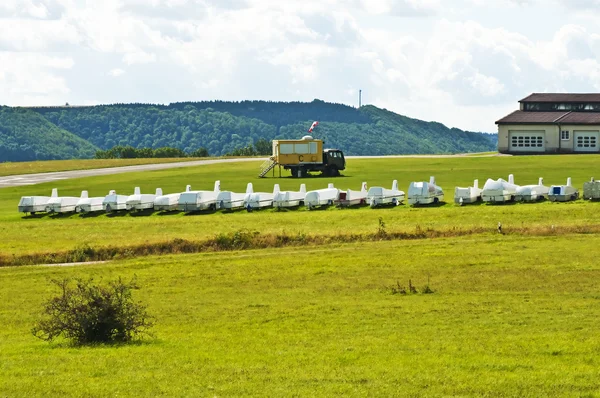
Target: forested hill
<point>221,127</point>
<point>26,135</point>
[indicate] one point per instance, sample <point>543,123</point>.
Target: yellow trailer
<point>304,151</point>
<point>302,156</point>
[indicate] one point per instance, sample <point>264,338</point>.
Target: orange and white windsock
<point>312,127</point>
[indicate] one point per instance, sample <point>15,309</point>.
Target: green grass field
<point>31,235</point>
<point>15,168</point>
<point>511,315</point>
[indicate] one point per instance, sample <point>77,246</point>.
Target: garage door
<point>585,141</point>
<point>526,141</point>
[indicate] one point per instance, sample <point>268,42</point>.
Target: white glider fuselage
<point>34,204</point>
<point>378,196</point>
<point>499,191</point>
<point>321,197</point>
<point>289,198</point>
<point>199,200</point>
<point>352,197</point>
<point>167,202</point>
<point>142,201</point>
<point>591,190</point>
<point>170,201</point>
<point>114,202</point>
<point>563,193</point>
<point>61,204</point>
<point>86,204</point>
<point>532,193</point>
<point>229,200</point>
<point>424,193</point>
<point>467,195</point>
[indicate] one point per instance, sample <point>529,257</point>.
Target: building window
<point>564,135</point>
<point>584,141</point>
<point>525,141</point>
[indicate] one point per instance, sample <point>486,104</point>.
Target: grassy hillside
<point>322,322</point>
<point>26,135</point>
<point>222,127</point>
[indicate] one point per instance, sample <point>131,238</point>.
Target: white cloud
<point>116,72</point>
<point>405,8</point>
<point>36,9</point>
<point>139,57</point>
<point>463,63</point>
<point>487,86</point>
<point>32,78</point>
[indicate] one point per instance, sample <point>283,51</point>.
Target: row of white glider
<point>419,193</point>
<point>192,201</point>
<point>502,191</point>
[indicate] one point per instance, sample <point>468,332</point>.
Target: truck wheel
<point>332,172</point>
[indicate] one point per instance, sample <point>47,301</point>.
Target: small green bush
<point>86,313</point>
<point>381,232</point>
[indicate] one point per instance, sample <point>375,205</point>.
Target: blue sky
<point>464,63</point>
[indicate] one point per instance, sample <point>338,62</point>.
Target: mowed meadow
<point>511,314</point>
<point>39,234</point>
<point>508,317</point>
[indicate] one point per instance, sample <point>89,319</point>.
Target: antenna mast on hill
<point>359,98</point>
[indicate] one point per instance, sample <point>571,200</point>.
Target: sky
<point>464,63</point>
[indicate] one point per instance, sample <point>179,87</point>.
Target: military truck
<point>303,156</point>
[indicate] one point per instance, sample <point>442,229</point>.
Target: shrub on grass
<point>400,289</point>
<point>381,232</point>
<point>238,240</point>
<point>86,313</point>
<point>397,289</point>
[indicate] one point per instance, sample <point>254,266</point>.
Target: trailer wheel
<point>301,172</point>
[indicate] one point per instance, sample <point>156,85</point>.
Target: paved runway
<point>31,179</point>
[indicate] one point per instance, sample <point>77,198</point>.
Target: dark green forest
<point>26,135</point>
<point>222,128</point>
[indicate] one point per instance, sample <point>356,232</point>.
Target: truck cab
<point>334,161</point>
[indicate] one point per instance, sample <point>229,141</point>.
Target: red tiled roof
<point>564,98</point>
<point>522,117</point>
<point>581,118</point>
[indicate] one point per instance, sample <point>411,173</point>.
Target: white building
<point>552,123</point>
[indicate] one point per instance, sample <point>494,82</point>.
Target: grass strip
<point>248,240</point>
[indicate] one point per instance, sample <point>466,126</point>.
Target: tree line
<point>261,147</point>
<point>222,128</point>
